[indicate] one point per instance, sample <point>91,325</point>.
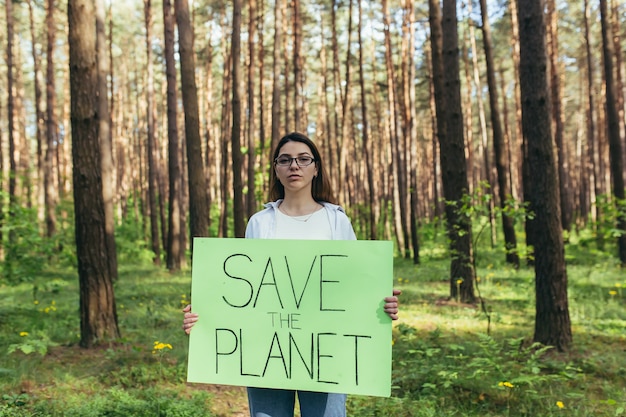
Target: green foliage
<point>119,402</point>
<point>606,224</point>
<point>37,343</point>
<point>27,251</point>
<point>444,365</point>
<point>130,239</point>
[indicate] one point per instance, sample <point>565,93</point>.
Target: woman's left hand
<point>391,304</point>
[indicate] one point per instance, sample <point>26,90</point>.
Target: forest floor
<point>450,359</point>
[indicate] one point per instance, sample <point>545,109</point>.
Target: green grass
<point>445,363</point>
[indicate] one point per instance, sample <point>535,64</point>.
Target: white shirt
<point>262,225</point>
<point>314,226</point>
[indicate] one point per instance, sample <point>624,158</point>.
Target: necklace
<point>303,218</point>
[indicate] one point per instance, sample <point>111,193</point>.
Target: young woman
<point>301,208</point>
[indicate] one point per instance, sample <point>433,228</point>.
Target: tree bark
<point>106,139</point>
<point>452,155</point>
<point>613,130</point>
<point>252,134</point>
<point>12,131</point>
<point>39,115</point>
<point>499,145</point>
<point>557,117</point>
<point>552,321</point>
<point>97,300</point>
<point>371,189</point>
<point>298,68</point>
<point>394,125</point>
<point>484,174</point>
<point>174,249</point>
<point>51,125</point>
<point>198,210</point>
<point>276,123</point>
<point>237,157</point>
<point>590,166</point>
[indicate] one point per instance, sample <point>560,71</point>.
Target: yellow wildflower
<point>459,281</point>
<point>160,346</point>
<point>613,292</point>
<point>560,404</point>
<point>505,384</point>
<point>23,334</point>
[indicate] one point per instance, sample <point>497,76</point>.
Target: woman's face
<point>293,177</point>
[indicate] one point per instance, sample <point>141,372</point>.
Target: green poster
<point>293,314</point>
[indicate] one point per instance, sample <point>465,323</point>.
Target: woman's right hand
<point>189,319</point>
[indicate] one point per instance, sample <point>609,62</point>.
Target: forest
<point>485,139</point>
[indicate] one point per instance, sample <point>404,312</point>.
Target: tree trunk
<point>557,117</point>
<point>336,87</point>
<point>371,189</point>
<point>483,144</point>
<point>174,249</point>
<point>276,123</point>
<point>97,300</point>
<point>499,145</point>
<point>198,210</point>
<point>394,128</point>
<point>613,130</point>
<point>298,69</point>
<point>408,134</point>
<point>104,133</point>
<point>51,125</point>
<point>452,154</point>
<point>619,81</point>
<point>39,115</point>
<point>150,116</point>
<point>12,130</point>
<point>346,104</point>
<point>237,157</point>
<point>552,322</point>
<point>252,134</point>
<point>590,165</point>
<point>262,123</point>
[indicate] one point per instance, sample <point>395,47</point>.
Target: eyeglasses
<point>301,161</point>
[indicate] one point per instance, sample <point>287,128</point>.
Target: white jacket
<point>262,224</point>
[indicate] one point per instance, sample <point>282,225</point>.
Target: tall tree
<point>589,172</point>
<point>237,157</point>
<point>346,104</point>
<point>557,116</point>
<point>51,124</point>
<point>97,300</point>
<point>104,134</point>
<point>504,191</point>
<point>298,68</point>
<point>552,321</point>
<point>174,249</point>
<point>452,155</point>
<point>151,139</point>
<point>394,125</point>
<point>198,210</point>
<point>613,129</point>
<point>278,33</point>
<point>39,114</point>
<point>12,129</point>
<point>369,166</point>
<point>252,134</point>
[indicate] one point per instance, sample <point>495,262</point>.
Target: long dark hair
<point>320,188</point>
